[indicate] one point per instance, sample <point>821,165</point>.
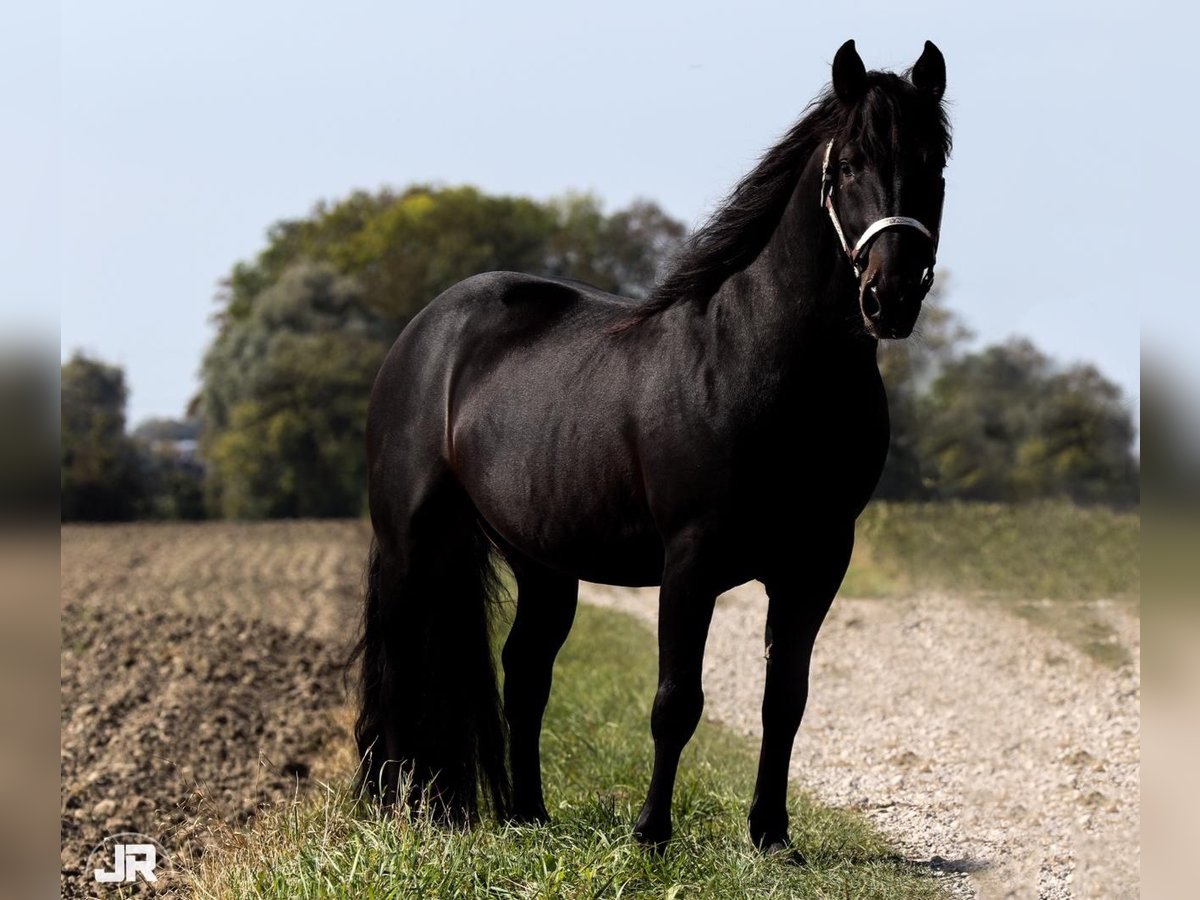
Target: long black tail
<point>431,725</point>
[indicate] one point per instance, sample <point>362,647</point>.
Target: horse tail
<point>431,726</point>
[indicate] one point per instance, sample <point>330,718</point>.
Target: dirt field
<point>200,674</point>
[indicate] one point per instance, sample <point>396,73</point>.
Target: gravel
<point>987,749</point>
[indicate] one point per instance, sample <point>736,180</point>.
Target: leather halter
<point>873,230</point>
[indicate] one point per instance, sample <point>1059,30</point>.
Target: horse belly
<point>575,535</point>
<point>570,502</point>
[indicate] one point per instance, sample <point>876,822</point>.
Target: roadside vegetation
<point>597,751</point>
<point>1062,566</point>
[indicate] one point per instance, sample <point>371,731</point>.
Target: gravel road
<point>985,747</point>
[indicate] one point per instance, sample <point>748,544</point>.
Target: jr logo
<point>130,861</point>
<point>125,859</point>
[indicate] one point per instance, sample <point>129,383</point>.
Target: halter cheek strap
<point>873,230</point>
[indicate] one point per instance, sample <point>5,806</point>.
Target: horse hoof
<point>653,839</point>
<point>784,852</point>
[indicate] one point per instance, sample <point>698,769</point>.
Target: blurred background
<point>256,202</point>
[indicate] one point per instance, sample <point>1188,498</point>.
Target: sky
<point>169,136</point>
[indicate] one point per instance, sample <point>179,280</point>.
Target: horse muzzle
<point>890,304</point>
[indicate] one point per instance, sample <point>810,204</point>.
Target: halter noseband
<point>873,230</point>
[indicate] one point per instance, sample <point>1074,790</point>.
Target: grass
<point>1058,565</point>
<point>597,751</point>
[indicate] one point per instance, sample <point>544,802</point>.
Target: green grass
<point>1054,564</point>
<point>597,752</point>
<point>1053,551</point>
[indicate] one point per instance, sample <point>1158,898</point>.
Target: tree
<point>99,475</point>
<point>623,253</point>
<point>405,248</point>
<point>1081,447</point>
<point>1004,423</point>
<point>160,429</point>
<point>171,468</point>
<point>1007,424</point>
<point>908,367</point>
<point>304,326</point>
<point>285,399</point>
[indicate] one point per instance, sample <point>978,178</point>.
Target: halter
<point>873,230</point>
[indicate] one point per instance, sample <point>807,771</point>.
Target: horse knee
<point>677,711</point>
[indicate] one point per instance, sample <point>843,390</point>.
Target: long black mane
<point>738,231</point>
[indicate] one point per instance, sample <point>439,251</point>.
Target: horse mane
<point>737,232</point>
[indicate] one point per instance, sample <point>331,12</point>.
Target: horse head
<point>882,183</point>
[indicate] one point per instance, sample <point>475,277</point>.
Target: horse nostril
<point>870,303</point>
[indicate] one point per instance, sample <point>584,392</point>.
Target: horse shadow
<point>938,865</point>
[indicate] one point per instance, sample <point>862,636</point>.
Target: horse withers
<point>730,427</point>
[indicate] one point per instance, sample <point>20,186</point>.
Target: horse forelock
<point>891,112</point>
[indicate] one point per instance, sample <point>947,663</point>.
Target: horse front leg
<point>685,608</point>
<point>799,597</point>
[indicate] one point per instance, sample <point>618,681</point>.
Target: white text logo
<point>125,859</point>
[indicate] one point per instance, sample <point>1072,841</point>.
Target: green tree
<point>303,327</point>
<point>1007,424</point>
<point>171,468</point>
<point>908,368</point>
<point>285,399</point>
<point>1081,447</point>
<point>405,248</point>
<point>99,474</point>
<point>162,429</point>
<point>623,253</point>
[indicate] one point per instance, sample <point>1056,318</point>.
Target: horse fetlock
<point>769,834</point>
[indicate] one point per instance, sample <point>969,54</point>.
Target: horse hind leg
<point>546,602</point>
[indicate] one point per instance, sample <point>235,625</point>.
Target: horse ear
<point>849,74</point>
<point>929,72</point>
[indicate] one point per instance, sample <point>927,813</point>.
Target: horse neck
<point>795,304</point>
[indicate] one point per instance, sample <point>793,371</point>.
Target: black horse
<point>731,427</point>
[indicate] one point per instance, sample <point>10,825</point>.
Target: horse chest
<point>825,451</point>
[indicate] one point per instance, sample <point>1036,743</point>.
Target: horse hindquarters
<point>430,726</point>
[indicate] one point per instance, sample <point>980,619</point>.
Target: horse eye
<point>846,169</point>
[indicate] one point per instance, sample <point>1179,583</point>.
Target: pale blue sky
<point>187,128</point>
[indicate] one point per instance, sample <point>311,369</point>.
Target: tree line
<point>109,474</point>
<point>277,427</point>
